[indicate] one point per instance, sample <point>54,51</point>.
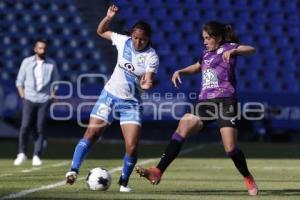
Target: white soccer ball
<point>98,179</point>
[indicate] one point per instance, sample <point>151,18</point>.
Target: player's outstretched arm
<point>102,29</point>
<point>192,69</point>
<point>240,50</point>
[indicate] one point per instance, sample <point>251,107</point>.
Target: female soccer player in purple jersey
<point>217,98</point>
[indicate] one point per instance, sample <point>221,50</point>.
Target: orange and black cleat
<point>153,174</point>
<point>251,185</point>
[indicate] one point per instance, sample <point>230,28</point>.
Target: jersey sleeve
<point>232,46</point>
<point>153,63</point>
<point>118,40</point>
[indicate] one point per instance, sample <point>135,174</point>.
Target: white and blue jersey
<point>122,93</point>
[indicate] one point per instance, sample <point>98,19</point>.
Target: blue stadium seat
<point>164,49</point>
<point>143,14</point>
<point>276,19</point>
<point>160,13</point>
<point>192,15</point>
<point>242,16</point>
<point>245,38</point>
<point>182,49</point>
<point>176,14</point>
<point>138,3</point>
<point>158,37</point>
<point>174,4</point>
<point>264,41</point>
<point>257,6</point>
<point>273,6</point>
<point>290,6</point>
<point>281,42</point>
<point>224,5</point>
<point>185,59</point>
<point>258,29</point>
<point>127,13</point>
<point>240,5</point>
<point>169,26</point>
<point>276,30</point>
<point>292,18</point>
<point>174,38</point>
<point>254,63</point>
<point>177,36</point>
<point>157,4</point>
<point>259,16</point>
<point>192,4</point>
<point>207,4</point>
<point>187,26</point>
<point>227,16</point>
<point>210,15</point>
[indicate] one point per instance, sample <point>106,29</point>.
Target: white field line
<point>37,168</point>
<point>61,183</point>
<point>4,175</point>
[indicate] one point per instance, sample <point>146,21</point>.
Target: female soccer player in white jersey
<point>120,99</point>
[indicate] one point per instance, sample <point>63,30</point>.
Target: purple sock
<point>239,161</point>
<point>171,152</point>
<point>178,137</point>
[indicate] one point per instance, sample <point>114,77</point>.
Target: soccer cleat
<point>124,185</point>
<point>153,174</point>
<point>21,159</point>
<point>71,177</point>
<point>251,185</point>
<point>125,188</point>
<point>36,161</point>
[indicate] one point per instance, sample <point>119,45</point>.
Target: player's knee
<point>131,149</point>
<point>229,148</point>
<point>92,133</point>
<point>189,123</point>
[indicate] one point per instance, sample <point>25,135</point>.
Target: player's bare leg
<point>188,125</point>
<point>229,138</point>
<point>131,134</point>
<point>91,135</point>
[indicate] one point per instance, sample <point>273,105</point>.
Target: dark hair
<point>217,29</point>
<point>43,40</point>
<point>143,26</point>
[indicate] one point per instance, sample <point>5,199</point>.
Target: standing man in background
<point>34,80</point>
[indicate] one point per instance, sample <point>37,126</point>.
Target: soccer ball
<point>98,179</point>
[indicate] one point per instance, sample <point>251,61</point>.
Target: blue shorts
<point>108,108</point>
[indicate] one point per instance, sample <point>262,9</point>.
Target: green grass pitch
<point>201,173</point>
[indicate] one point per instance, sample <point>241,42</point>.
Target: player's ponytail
<point>229,34</point>
<point>217,29</point>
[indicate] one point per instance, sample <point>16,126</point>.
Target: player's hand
<point>176,79</point>
<point>145,84</point>
<point>227,55</point>
<point>112,11</point>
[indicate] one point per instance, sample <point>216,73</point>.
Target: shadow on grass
<point>63,149</point>
<point>284,192</point>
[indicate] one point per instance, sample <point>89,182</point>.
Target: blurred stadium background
<point>271,76</point>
